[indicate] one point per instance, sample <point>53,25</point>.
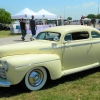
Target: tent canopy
<point>43,14</point>
<point>25,13</point>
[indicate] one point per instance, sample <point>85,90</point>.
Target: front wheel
<point>35,79</point>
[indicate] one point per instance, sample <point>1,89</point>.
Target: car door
<point>96,45</point>
<point>77,50</point>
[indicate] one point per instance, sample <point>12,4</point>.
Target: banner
<point>15,28</point>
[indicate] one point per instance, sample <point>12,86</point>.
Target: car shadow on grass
<point>17,89</point>
<point>11,91</point>
<point>70,78</point>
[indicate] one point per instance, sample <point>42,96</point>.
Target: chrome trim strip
<point>4,83</point>
<point>34,63</point>
<point>72,44</point>
<point>86,43</point>
<point>95,42</point>
<point>44,48</point>
<point>78,44</point>
<point>47,48</point>
<point>58,47</point>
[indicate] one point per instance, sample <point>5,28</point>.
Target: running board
<point>72,71</point>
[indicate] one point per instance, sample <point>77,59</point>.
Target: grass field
<point>80,86</point>
<point>6,34</point>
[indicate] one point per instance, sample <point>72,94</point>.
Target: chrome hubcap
<point>36,78</point>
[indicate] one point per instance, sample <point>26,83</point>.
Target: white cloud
<point>71,7</point>
<point>86,5</point>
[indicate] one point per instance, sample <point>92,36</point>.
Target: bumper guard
<point>4,83</point>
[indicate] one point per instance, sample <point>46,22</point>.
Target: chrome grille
<point>2,72</point>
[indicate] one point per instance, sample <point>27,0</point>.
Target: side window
<point>76,36</point>
<point>80,35</point>
<point>48,36</point>
<point>68,37</point>
<point>41,36</point>
<point>95,34</point>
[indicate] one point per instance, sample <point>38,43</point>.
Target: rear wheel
<point>35,79</point>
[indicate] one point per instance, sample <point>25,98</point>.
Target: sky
<point>64,8</point>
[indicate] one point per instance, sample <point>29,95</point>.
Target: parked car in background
<point>55,52</point>
<point>4,27</point>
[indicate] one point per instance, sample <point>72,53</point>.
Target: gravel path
<point>14,39</point>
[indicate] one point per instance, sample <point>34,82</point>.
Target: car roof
<point>68,28</point>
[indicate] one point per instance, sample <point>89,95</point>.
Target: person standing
<point>94,22</point>
<point>23,29</point>
<point>33,27</point>
<point>81,20</point>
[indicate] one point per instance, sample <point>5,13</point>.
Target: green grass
<point>6,34</point>
<point>80,86</point>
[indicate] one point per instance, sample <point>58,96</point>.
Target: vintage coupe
<point>56,51</point>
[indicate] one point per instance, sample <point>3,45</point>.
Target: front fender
<point>21,64</point>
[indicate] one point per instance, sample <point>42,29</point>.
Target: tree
<point>98,16</point>
<point>69,18</point>
<point>4,16</point>
<point>91,16</point>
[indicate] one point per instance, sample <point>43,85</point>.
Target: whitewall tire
<point>36,78</point>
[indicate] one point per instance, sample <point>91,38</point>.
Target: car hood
<point>33,47</point>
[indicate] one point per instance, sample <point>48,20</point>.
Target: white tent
<point>43,14</point>
<point>25,13</point>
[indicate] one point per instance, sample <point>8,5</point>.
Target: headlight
<point>6,66</point>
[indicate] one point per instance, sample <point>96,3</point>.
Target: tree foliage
<point>69,18</point>
<point>4,16</point>
<point>98,16</point>
<point>91,16</point>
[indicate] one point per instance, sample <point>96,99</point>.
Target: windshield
<point>48,36</point>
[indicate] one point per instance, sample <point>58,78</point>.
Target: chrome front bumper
<point>4,83</point>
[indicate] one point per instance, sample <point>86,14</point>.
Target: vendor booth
<point>43,14</point>
<point>25,14</point>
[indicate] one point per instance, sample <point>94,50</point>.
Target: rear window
<point>77,36</point>
<point>95,34</point>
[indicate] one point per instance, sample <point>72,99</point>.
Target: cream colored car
<point>55,52</point>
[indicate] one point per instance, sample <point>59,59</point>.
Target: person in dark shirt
<point>23,29</point>
<point>81,21</point>
<point>33,27</point>
<point>94,22</point>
